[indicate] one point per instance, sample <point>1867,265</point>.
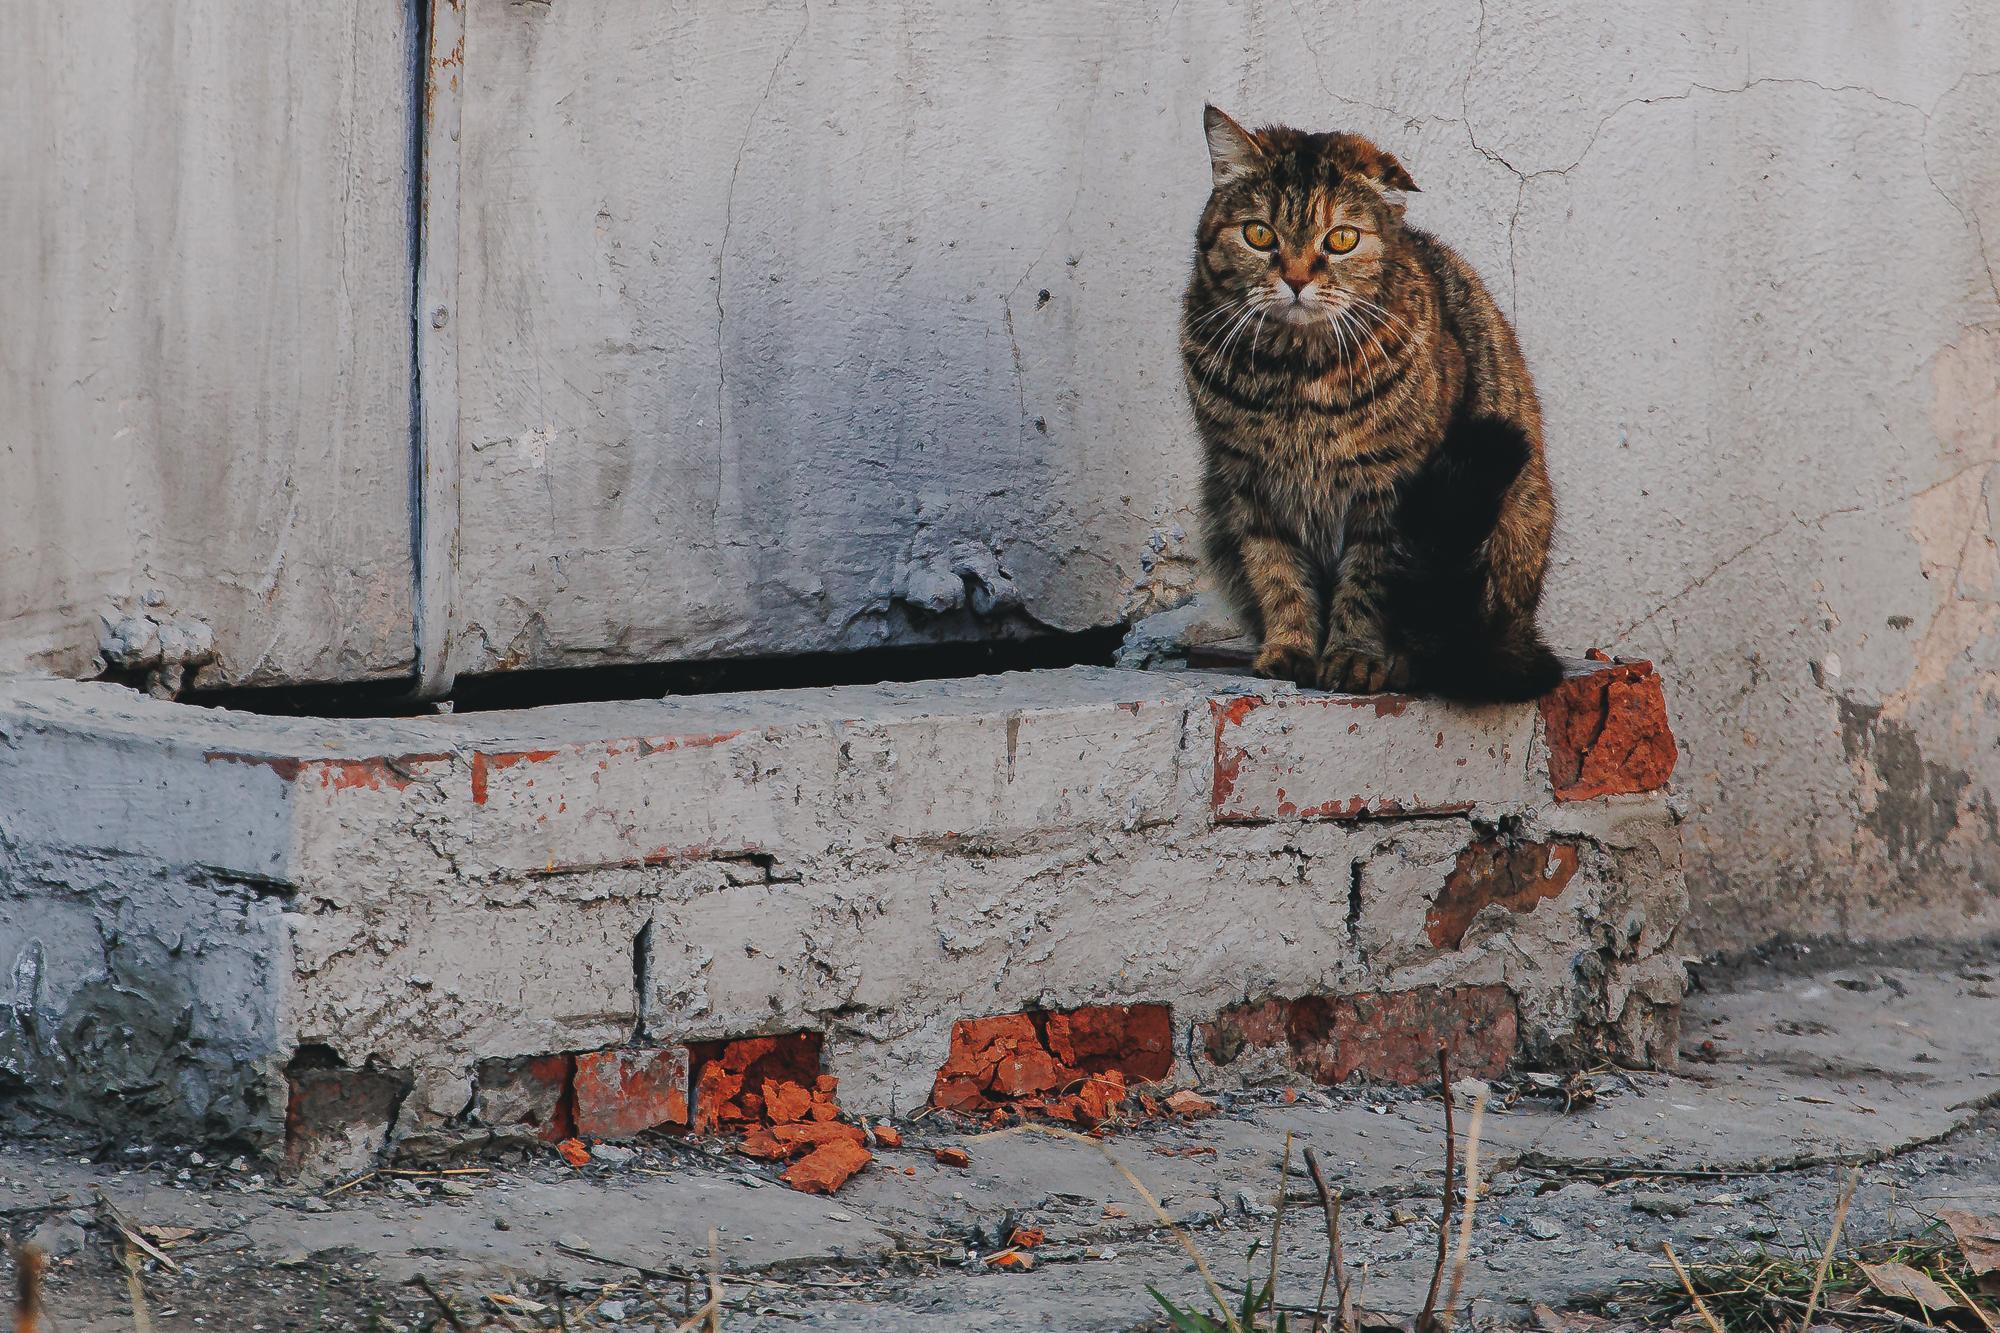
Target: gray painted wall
<point>754,356</point>
<point>205,330</point>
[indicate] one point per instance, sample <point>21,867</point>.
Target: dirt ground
<point>1795,1064</point>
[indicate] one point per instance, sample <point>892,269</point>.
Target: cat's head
<point>1299,226</point>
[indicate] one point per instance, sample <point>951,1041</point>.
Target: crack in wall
<point>722,257</point>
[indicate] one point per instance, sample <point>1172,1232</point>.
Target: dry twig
<point>1278,1224</point>
<point>1687,1285</point>
<point>1426,1321</point>
<point>1471,1205</point>
<point>443,1305</point>
<point>1186,1244</point>
<point>714,1284</point>
<point>1832,1242</point>
<point>1336,1266</point>
<point>130,1231</point>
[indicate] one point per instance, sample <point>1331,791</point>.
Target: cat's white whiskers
<point>1221,353</point>
<point>1388,317</point>
<point>1227,307</point>
<point>1339,337</point>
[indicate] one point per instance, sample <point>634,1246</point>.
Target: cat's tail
<point>1512,671</point>
<point>1448,511</point>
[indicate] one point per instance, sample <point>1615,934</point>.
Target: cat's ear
<point>1388,173</point>
<point>1233,151</point>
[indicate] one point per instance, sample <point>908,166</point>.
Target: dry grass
<point>1771,1293</point>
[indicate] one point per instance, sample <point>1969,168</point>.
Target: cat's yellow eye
<point>1260,236</point>
<point>1342,239</point>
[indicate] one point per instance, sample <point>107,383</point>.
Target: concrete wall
<point>205,331</point>
<point>788,326</point>
<point>781,318</point>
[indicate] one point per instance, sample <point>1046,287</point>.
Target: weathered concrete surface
<point>861,360</point>
<point>416,896</point>
<point>205,394</point>
<point>1558,1225</point>
<point>775,337</point>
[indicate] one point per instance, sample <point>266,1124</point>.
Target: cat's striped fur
<point>1347,400</point>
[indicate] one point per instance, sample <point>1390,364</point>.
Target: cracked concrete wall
<point>776,311</point>
<point>801,325</point>
<point>191,896</point>
<point>205,366</point>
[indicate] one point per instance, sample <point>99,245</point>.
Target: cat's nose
<point>1298,284</point>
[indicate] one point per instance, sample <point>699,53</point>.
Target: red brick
<point>785,1102</point>
<point>529,1095</point>
<point>1393,1036</point>
<point>888,1136</point>
<point>338,1120</point>
<point>1137,1040</point>
<point>1044,1063</point>
<point>1514,874</point>
<point>1608,733</point>
<point>1379,1036</point>
<point>729,1075</point>
<point>826,1168</point>
<point>621,1092</point>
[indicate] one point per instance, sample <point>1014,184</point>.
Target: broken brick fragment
<point>1498,871</point>
<point>827,1167</point>
<point>824,1107</point>
<point>1100,1096</point>
<point>1378,1036</point>
<point>337,1120</point>
<point>1058,1064</point>
<point>813,1133</point>
<point>785,1103</point>
<point>729,1076</point>
<point>761,1143</point>
<point>1191,1104</point>
<point>715,1092</point>
<point>952,1157</point>
<point>1137,1040</point>
<point>528,1095</point>
<point>888,1136</point>
<point>1608,733</point>
<point>620,1092</point>
<point>575,1152</point>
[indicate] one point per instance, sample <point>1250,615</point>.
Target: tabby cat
<point>1377,505</point>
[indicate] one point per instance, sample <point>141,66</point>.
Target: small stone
<point>56,1239</point>
<point>315,1204</point>
<point>196,1159</point>
<point>612,1155</point>
<point>456,1189</point>
<point>1251,1207</point>
<point>291,1259</point>
<point>1658,1204</point>
<point>1542,1229</point>
<point>502,1224</point>
<point>81,1216</point>
<point>612,1311</point>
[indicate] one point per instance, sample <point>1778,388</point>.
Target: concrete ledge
<point>208,915</point>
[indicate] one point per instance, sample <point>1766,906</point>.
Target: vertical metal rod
<point>437,446</point>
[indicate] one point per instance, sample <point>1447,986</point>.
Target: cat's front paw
<point>1352,671</point>
<point>1284,661</point>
